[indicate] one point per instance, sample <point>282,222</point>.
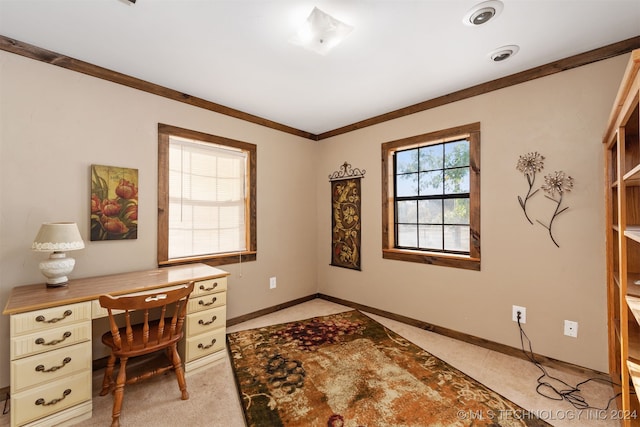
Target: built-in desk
<point>51,334</point>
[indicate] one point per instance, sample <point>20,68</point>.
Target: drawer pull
<point>54,342</point>
<point>215,285</point>
<point>41,401</point>
<point>66,314</point>
<point>204,347</point>
<point>40,368</point>
<point>203,323</point>
<point>208,303</point>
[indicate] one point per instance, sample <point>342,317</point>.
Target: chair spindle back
<point>169,325</point>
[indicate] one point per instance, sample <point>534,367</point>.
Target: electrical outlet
<point>523,314</point>
<point>571,328</point>
<point>272,283</point>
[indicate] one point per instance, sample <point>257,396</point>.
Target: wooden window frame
<point>250,254</point>
<point>389,251</point>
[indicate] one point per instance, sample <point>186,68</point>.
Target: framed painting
<point>114,203</point>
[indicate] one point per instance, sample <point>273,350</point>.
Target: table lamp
<point>57,238</point>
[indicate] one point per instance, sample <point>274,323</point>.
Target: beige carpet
<point>214,400</point>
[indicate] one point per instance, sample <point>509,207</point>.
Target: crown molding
<point>575,61</point>
<point>53,58</point>
<point>39,54</point>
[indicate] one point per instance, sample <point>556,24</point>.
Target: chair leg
<point>118,392</point>
<point>108,379</point>
<point>177,366</point>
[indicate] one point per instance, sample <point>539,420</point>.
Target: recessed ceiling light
<point>481,16</point>
<point>503,53</point>
<point>482,12</point>
<point>321,32</point>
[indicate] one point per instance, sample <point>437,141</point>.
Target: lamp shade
<point>58,237</point>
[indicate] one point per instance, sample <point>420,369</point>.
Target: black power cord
<point>5,411</point>
<point>571,394</point>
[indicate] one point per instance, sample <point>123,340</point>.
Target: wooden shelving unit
<point>622,169</point>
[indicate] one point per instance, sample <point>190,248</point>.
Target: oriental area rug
<point>347,370</point>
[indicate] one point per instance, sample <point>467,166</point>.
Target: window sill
<point>214,260</point>
<point>445,260</point>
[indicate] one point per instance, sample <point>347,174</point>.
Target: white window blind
<point>207,191</point>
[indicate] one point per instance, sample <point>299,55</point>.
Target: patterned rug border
<point>526,415</point>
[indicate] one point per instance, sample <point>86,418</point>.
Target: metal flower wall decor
<point>555,186</point>
<point>560,183</point>
<point>529,165</point>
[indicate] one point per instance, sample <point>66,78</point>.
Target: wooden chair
<point>156,338</point>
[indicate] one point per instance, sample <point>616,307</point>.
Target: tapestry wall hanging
<point>114,203</point>
<point>345,217</point>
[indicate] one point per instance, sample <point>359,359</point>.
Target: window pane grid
<point>431,192</point>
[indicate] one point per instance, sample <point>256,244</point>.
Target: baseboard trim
<point>480,342</point>
<point>102,362</point>
<point>269,310</point>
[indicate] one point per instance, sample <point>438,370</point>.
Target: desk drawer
<point>204,287</point>
<point>205,321</point>
<point>206,302</point>
<point>47,399</point>
<point>24,323</point>
<point>50,339</point>
<point>205,344</point>
<point>30,371</point>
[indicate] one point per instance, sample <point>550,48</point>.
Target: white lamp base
<point>56,268</point>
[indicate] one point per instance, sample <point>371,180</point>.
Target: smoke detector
<point>482,13</point>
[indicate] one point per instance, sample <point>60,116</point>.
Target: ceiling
<point>236,52</point>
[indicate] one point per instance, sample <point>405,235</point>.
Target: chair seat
<point>138,347</point>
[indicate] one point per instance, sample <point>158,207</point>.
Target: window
<point>431,189</point>
<point>206,198</point>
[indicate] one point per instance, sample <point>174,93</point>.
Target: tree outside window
<point>431,185</point>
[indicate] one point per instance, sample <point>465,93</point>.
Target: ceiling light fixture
<point>482,12</point>
<point>503,53</point>
<point>321,32</point>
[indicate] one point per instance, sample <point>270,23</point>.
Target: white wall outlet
<point>272,283</point>
<point>571,328</point>
<point>522,311</point>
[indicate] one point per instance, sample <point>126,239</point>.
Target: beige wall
<point>55,123</point>
<point>561,116</point>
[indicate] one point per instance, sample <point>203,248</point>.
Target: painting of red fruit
<point>114,203</point>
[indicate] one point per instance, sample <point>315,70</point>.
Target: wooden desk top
<point>38,296</point>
